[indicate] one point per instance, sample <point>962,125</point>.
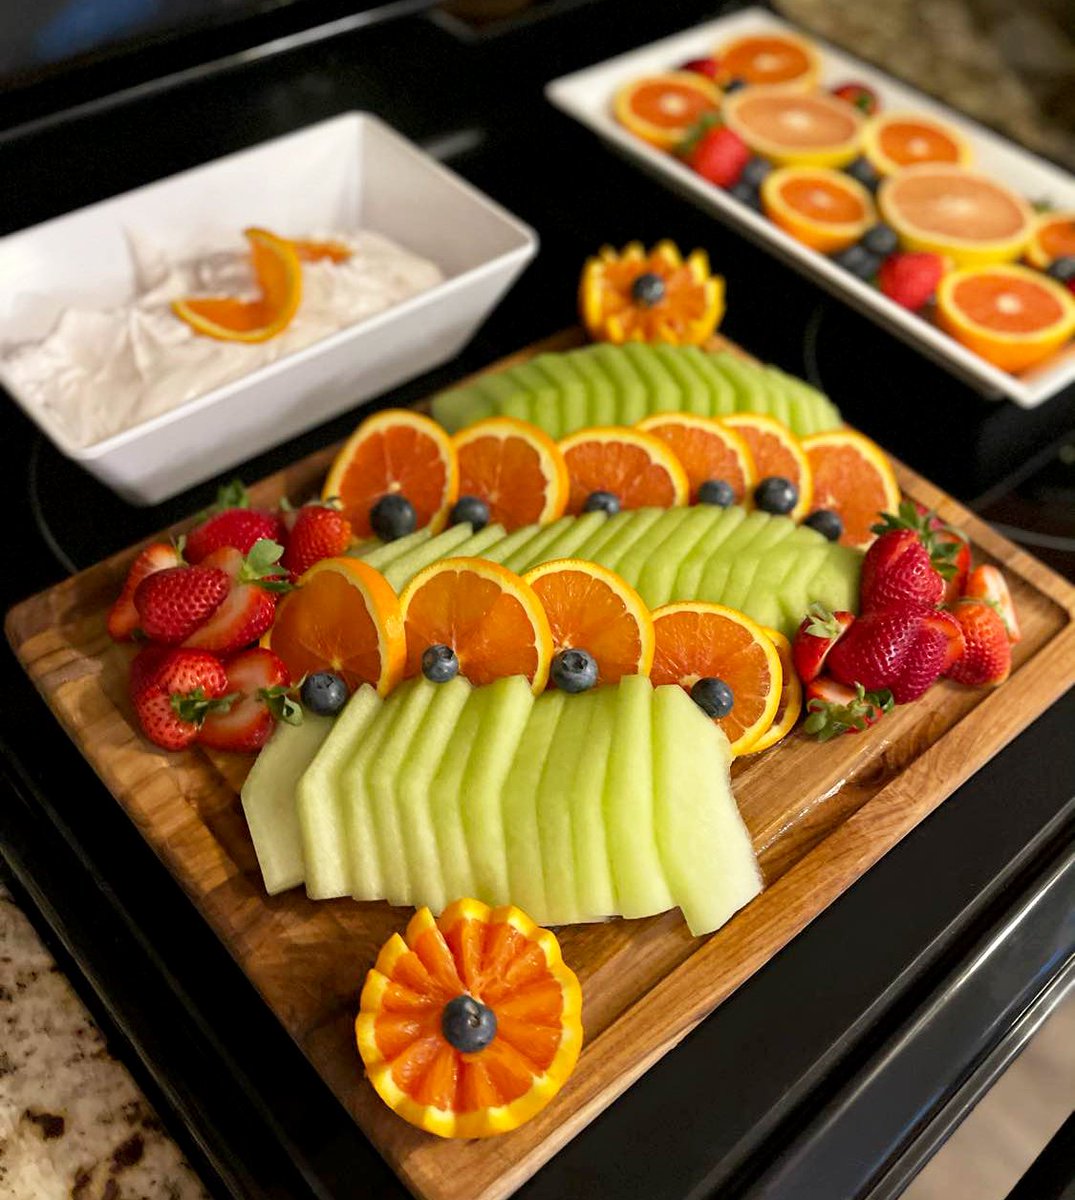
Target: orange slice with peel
<point>1012,316</point>
<point>311,251</point>
<point>822,208</point>
<point>660,109</point>
<point>773,59</point>
<point>790,707</point>
<point>395,452</point>
<point>853,477</point>
<point>894,140</point>
<point>491,617</point>
<point>814,129</point>
<point>228,319</point>
<point>503,961</point>
<point>344,617</point>
<point>775,451</point>
<point>636,467</point>
<point>1053,237</point>
<point>591,608</point>
<point>695,640</point>
<point>707,449</point>
<point>516,468</point>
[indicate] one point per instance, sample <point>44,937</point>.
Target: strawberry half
<point>249,606</point>
<point>231,522</point>
<point>174,691</point>
<point>123,618</point>
<point>315,531</point>
<point>261,683</point>
<point>815,637</point>
<point>987,659</point>
<point>910,279</point>
<point>173,603</point>
<point>987,583</point>
<point>938,644</point>
<point>833,708</point>
<point>715,152</point>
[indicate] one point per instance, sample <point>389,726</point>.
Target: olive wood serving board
<point>820,816</point>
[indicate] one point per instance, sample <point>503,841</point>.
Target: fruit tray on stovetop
<point>633,639</point>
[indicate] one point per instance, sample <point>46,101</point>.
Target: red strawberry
<point>859,96</point>
<point>944,623</point>
<point>910,279</point>
<point>250,604</point>
<point>987,583</point>
<point>938,644</point>
<point>949,552</point>
<point>701,66</point>
<point>816,636</point>
<point>176,696</point>
<point>314,532</point>
<point>173,603</point>
<point>144,667</point>
<point>123,617</point>
<point>260,681</point>
<point>833,708</point>
<point>987,659</point>
<point>875,650</point>
<point>231,522</point>
<point>716,153</point>
<point>897,571</point>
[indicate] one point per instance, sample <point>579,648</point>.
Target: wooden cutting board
<point>820,816</point>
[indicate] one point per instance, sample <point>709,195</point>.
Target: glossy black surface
<point>759,1076</point>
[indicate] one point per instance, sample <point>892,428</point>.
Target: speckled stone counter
<point>73,1124</point>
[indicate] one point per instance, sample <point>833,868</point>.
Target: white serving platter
<point>347,173</point>
<point>587,96</point>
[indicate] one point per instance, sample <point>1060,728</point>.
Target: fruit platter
<point>501,742</point>
<point>958,241</point>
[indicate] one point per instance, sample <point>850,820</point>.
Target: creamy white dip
<point>101,371</point>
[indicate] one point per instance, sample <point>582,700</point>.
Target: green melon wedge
<point>662,387</point>
<point>569,538</point>
<point>463,406</point>
<point>533,549</point>
<point>602,408</point>
<point>593,870</point>
<point>379,554</point>
<point>721,392</point>
<point>694,390</point>
<point>555,800</point>
<point>445,545</point>
<point>689,576</point>
<point>629,389</point>
<point>743,379</point>
<point>544,403</point>
<point>658,576</point>
<point>632,565</point>
<point>476,545</point>
<point>572,387</point>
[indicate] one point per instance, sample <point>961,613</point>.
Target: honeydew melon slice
<point>499,551</point>
<point>462,406</point>
<point>632,564</point>
<point>510,397</point>
<point>593,871</point>
<point>379,554</point>
<point>628,388</point>
<point>572,389</point>
<point>591,547</point>
<point>658,576</point>
<point>742,377</point>
<point>694,390</point>
<point>738,591</point>
<point>476,545</point>
<point>793,594</point>
<point>445,793</point>
<point>543,398</point>
<point>688,577</point>
<point>798,415</point>
<point>535,546</point>
<point>320,802</point>
<point>775,400</point>
<point>662,388</point>
<point>814,412</point>
<point>403,569</point>
<point>268,799</point>
<point>602,408</point>
<point>704,848</point>
<point>721,392</point>
<point>568,539</point>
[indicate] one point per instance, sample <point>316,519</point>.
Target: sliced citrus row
<point>489,981</point>
<point>591,608</point>
<point>773,59</point>
<point>707,449</point>
<point>515,468</point>
<point>488,615</point>
<point>343,617</point>
<point>822,208</point>
<point>695,640</point>
<point>1011,316</point>
<point>637,468</point>
<point>851,476</point>
<point>894,140</point>
<point>278,272</point>
<point>1053,237</point>
<point>395,452</point>
<point>790,705</point>
<point>660,109</point>
<point>632,296</point>
<point>776,451</point>
<point>809,130</point>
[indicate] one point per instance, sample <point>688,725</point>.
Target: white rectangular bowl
<point>346,173</point>
<point>587,96</point>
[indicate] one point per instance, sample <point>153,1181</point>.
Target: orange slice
<point>775,451</point>
<point>852,476</point>
<point>516,468</point>
<point>490,617</point>
<point>816,129</point>
<point>695,640</point>
<point>790,707</point>
<point>689,307</point>
<point>501,959</point>
<point>822,208</point>
<point>1012,316</point>
<point>591,608</point>
<point>706,449</point>
<point>660,109</point>
<point>768,58</point>
<point>342,617</point>
<point>229,319</point>
<point>1053,237</point>
<point>894,140</point>
<point>309,251</point>
<point>638,468</point>
<point>948,210</point>
<point>396,452</point>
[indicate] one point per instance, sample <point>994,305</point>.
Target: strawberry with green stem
<point>948,551</point>
<point>260,683</point>
<point>833,708</point>
<point>230,521</point>
<point>174,692</point>
<point>249,607</point>
<point>815,637</point>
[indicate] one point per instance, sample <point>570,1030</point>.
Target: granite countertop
<point>73,1123</point>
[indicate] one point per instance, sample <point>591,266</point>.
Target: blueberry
<point>439,663</point>
<point>1062,269</point>
<point>775,494</point>
<point>574,670</point>
<point>859,261</point>
<point>881,239</point>
<point>734,85</point>
<point>862,170</point>
<point>828,523</point>
<point>323,693</point>
<point>648,289</point>
<point>716,491</point>
<point>469,510</point>
<point>713,696</point>
<point>746,194</point>
<point>467,1024</point>
<point>392,517</point>
<point>756,171</point>
<point>606,502</point>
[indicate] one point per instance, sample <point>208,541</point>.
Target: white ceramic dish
<point>349,172</point>
<point>587,96</point>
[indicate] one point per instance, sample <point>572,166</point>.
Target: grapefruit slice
<point>774,59</point>
<point>1012,316</point>
<point>945,209</point>
<point>660,109</point>
<point>811,130</point>
<point>894,140</point>
<point>822,208</point>
<point>1053,237</point>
